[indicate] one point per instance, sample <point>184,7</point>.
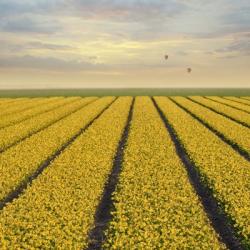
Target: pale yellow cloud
<point>87,44</point>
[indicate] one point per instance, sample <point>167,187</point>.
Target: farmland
<point>125,172</point>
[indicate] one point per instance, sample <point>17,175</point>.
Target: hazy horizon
<point>121,44</point>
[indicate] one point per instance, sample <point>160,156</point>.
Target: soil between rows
<point>218,218</point>
<point>27,118</point>
<point>43,128</point>
<point>232,144</point>
<point>243,103</point>
<point>103,212</point>
<point>228,105</point>
<point>23,186</point>
<point>220,113</point>
<point>244,98</point>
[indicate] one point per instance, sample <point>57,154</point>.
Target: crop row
<point>224,171</point>
<point>20,161</point>
<point>11,103</point>
<point>9,135</point>
<point>155,205</point>
<point>25,104</point>
<point>11,119</point>
<point>231,103</point>
<point>238,99</point>
<point>223,109</point>
<point>231,130</point>
<point>3,100</point>
<point>7,101</point>
<point>57,210</point>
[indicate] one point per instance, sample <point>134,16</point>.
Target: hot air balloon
<point>189,70</point>
<point>166,57</point>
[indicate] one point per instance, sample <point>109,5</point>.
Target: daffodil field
<point>125,172</point>
<point>233,113</point>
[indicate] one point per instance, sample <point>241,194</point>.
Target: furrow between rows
<point>235,135</point>
<point>221,169</point>
<point>13,119</point>
<point>17,133</point>
<point>103,212</point>
<point>245,98</point>
<point>5,102</point>
<point>17,191</point>
<point>236,116</point>
<point>230,104</point>
<point>58,209</point>
<point>155,207</point>
<point>238,100</point>
<point>26,104</point>
<point>21,161</point>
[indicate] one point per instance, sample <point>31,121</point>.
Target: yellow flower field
<point>124,173</point>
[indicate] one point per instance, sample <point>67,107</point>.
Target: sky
<point>122,43</point>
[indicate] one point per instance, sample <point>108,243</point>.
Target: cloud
<point>237,17</point>
<point>17,7</point>
<point>8,47</point>
<point>133,19</point>
<point>128,11</point>
<point>209,20</point>
<point>136,20</point>
<point>48,46</point>
<point>29,16</point>
<point>116,10</point>
<point>63,65</point>
<point>48,63</point>
<point>242,47</point>
<point>124,34</point>
<point>30,25</point>
<point>237,46</point>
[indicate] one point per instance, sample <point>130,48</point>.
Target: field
<point>125,92</point>
<point>128,172</point>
